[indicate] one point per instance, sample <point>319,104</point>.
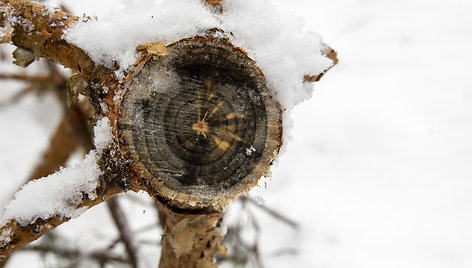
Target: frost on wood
<point>5,237</point>
<point>60,193</point>
<point>9,22</point>
<point>102,134</point>
<point>7,30</point>
<point>279,43</point>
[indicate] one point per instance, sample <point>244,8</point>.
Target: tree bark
<point>190,241</point>
<point>40,30</point>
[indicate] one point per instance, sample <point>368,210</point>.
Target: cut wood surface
<point>200,124</point>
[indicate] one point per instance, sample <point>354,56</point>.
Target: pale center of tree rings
<point>200,123</point>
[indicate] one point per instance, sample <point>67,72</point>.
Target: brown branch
<point>62,144</point>
<point>72,132</point>
<point>100,256</point>
<point>327,52</point>
<point>190,240</point>
<point>119,218</point>
<point>116,179</point>
<point>39,30</point>
<point>26,77</point>
<point>4,262</point>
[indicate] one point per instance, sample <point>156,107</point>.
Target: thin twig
<point>4,262</point>
<point>272,212</point>
<point>75,253</point>
<point>255,245</point>
<point>136,232</point>
<point>26,77</point>
<point>126,235</point>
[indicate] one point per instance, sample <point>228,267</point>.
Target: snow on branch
<point>42,204</point>
<point>60,193</point>
<point>287,52</point>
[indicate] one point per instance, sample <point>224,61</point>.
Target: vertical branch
<point>119,218</point>
<point>190,241</point>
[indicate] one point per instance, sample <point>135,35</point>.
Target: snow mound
<point>279,43</point>
<point>60,193</point>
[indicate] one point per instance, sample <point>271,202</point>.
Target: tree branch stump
<point>200,127</point>
<point>199,124</point>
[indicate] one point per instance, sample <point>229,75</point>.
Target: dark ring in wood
<point>200,124</point>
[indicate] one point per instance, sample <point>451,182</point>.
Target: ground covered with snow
<point>378,169</point>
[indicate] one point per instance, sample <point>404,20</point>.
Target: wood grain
<point>199,123</point>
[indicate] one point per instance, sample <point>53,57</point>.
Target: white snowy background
<point>378,172</point>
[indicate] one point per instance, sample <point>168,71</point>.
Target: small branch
<point>126,235</point>
<point>26,77</point>
<point>272,212</point>
<point>4,262</point>
<point>17,97</point>
<point>328,52</point>
<point>100,256</point>
<point>35,28</point>
<point>116,179</point>
<point>62,144</point>
<point>255,245</point>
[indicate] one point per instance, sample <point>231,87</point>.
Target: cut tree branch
<point>39,29</point>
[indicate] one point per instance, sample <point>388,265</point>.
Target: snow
<point>280,44</point>
<point>156,21</point>
<point>250,150</point>
<point>378,172</point>
<point>102,134</point>
<point>60,193</point>
<point>10,21</point>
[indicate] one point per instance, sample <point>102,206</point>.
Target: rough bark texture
<point>190,241</point>
<point>39,30</point>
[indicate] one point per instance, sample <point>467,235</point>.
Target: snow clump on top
<point>60,193</point>
<point>279,43</point>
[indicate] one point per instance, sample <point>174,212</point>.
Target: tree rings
<point>199,124</point>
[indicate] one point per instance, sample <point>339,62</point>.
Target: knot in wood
<point>199,123</point>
